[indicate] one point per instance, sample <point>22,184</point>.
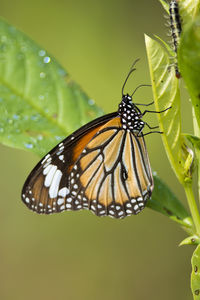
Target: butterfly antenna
<point>139,86</point>
<point>129,73</point>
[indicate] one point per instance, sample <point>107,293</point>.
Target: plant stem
<point>193,206</point>
<point>197,152</point>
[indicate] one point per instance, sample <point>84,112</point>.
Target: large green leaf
<point>165,5</point>
<point>165,202</point>
<point>166,94</point>
<point>195,276</point>
<point>39,104</point>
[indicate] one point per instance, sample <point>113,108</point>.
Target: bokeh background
<point>76,255</point>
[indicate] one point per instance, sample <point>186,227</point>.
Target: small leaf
<point>165,5</point>
<point>189,61</point>
<point>39,104</point>
<point>190,240</point>
<point>165,202</point>
<point>194,140</point>
<point>166,93</point>
<point>188,156</point>
<point>195,276</point>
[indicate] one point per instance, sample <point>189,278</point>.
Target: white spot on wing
<point>60,201</point>
<point>46,170</point>
<point>53,191</point>
<point>63,192</point>
<point>49,175</point>
<point>61,157</point>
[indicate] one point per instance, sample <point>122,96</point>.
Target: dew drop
<point>28,146</point>
<point>58,138</point>
<point>154,173</point>
<point>16,117</point>
<point>91,102</point>
<point>40,137</point>
<point>41,97</point>
<point>42,53</point>
<point>46,59</point>
<point>62,72</point>
<point>34,117</point>
<point>42,75</point>
<point>1,130</point>
<point>10,121</point>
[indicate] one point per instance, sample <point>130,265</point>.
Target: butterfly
<point>176,28</point>
<point>103,167</point>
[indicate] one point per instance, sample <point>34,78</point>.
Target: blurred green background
<point>76,255</point>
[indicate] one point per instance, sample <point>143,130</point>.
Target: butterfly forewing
<point>48,182</point>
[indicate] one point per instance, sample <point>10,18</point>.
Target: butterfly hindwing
<point>112,175</point>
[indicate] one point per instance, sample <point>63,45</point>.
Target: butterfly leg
<point>144,104</point>
<point>155,112</point>
<point>150,127</point>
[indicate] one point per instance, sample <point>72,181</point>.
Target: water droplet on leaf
<point>46,59</point>
<point>91,102</point>
<point>42,53</point>
<point>28,146</point>
<point>58,138</point>
<point>62,72</point>
<point>16,117</point>
<point>42,75</point>
<point>41,97</point>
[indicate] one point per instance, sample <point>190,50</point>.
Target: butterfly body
<point>103,166</point>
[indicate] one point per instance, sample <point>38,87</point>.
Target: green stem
<point>193,207</point>
<point>197,152</point>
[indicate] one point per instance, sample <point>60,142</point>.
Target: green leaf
<point>165,5</point>
<point>189,9</point>
<point>189,61</point>
<point>194,140</point>
<point>195,276</point>
<point>165,202</point>
<point>39,103</point>
<point>191,240</point>
<point>166,93</point>
<point>167,46</point>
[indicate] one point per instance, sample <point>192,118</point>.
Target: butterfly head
<point>130,114</point>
